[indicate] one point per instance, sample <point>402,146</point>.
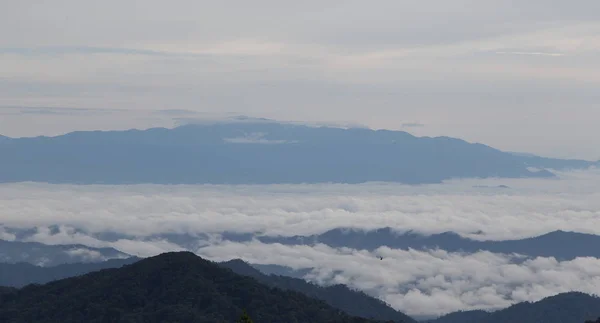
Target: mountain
<point>22,274</point>
<point>462,317</point>
<point>279,270</point>
<point>6,290</point>
<point>172,287</point>
<point>559,244</point>
<point>258,152</point>
<point>338,296</point>
<point>563,308</point>
<point>51,255</point>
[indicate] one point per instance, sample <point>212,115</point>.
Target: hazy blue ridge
<point>259,153</point>
<point>558,244</point>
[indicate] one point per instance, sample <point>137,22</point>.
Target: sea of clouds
<point>140,218</point>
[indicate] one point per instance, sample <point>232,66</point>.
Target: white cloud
<point>529,207</point>
<point>7,236</point>
<point>86,254</point>
<point>426,282</point>
<point>255,138</point>
<point>66,235</point>
<point>532,53</point>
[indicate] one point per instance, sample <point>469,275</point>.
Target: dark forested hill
<point>172,287</point>
<point>21,274</point>
<point>339,296</point>
<point>562,308</point>
<point>271,153</point>
<point>462,317</point>
<point>6,290</point>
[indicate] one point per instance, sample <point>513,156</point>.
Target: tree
<point>245,318</point>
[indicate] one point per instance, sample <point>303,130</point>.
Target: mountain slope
<point>257,153</point>
<point>172,287</point>
<point>559,244</point>
<point>6,290</point>
<point>338,296</point>
<point>562,308</point>
<point>462,317</point>
<point>22,274</point>
<point>51,255</point>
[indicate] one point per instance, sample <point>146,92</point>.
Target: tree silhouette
<point>245,318</point>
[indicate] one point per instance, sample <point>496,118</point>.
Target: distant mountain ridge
<point>23,274</point>
<point>254,152</point>
<point>571,307</point>
<point>558,244</point>
<point>462,317</point>
<point>51,255</point>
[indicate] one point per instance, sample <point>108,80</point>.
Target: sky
<point>519,76</point>
<point>420,282</point>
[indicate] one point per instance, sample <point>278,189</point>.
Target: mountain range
<point>338,296</point>
<point>561,245</point>
<point>260,152</point>
<point>182,287</point>
<point>51,255</point>
<point>23,274</point>
<point>563,308</point>
<point>172,287</point>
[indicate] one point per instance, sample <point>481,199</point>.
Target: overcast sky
<point>519,76</point>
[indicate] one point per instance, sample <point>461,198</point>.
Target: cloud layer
<point>426,283</point>
<point>146,220</point>
<point>526,208</point>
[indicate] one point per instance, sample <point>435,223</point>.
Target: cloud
<point>65,235</point>
<point>412,125</point>
<point>36,51</point>
<point>231,118</point>
<point>529,207</point>
<point>177,112</point>
<point>146,220</point>
<point>532,53</point>
<point>55,111</point>
<point>86,254</point>
<point>426,282</point>
<point>7,236</point>
<point>255,138</point>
